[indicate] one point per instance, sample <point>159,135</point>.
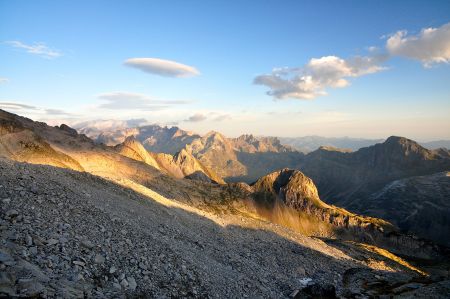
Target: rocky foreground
<point>71,234</point>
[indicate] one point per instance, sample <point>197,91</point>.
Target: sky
<point>282,68</point>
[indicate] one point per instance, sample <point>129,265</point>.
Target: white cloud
<point>16,106</point>
<point>430,46</point>
<point>39,49</point>
<point>197,117</point>
<point>3,80</point>
<point>166,68</point>
<point>312,80</point>
<point>56,112</point>
<point>131,101</point>
<point>25,107</point>
<point>222,117</point>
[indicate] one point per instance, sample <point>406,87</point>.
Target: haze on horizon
<point>358,69</point>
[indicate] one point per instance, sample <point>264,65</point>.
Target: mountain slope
<point>245,158</point>
<point>22,144</point>
<point>133,149</point>
<point>130,229</point>
<point>88,156</point>
<point>216,152</point>
<point>419,205</point>
<point>341,177</point>
<point>184,165</point>
<point>349,179</point>
<point>70,234</point>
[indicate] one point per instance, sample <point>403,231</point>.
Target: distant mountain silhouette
<point>308,144</point>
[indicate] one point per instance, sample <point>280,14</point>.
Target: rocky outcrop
<point>22,144</point>
<point>298,191</point>
<point>133,149</point>
<point>184,165</point>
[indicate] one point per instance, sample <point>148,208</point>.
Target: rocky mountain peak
<point>131,140</point>
<point>404,144</point>
<point>68,129</point>
<point>133,149</point>
<point>213,136</point>
<point>288,180</point>
<point>247,138</point>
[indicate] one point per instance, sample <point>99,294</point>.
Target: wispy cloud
<point>430,46</point>
<point>3,80</point>
<point>16,106</point>
<point>197,117</point>
<point>25,107</point>
<point>222,117</point>
<point>166,68</point>
<point>56,112</point>
<point>132,101</point>
<point>319,74</point>
<point>39,49</point>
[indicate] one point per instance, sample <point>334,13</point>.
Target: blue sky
<point>65,61</point>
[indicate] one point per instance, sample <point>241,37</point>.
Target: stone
<point>407,287</point>
<point>34,270</point>
<point>99,259</point>
<point>51,242</point>
<point>29,240</point>
<point>87,244</point>
<point>38,241</point>
<point>67,290</point>
<point>12,213</point>
<point>301,271</point>
<point>124,283</point>
<point>79,263</point>
<point>7,279</point>
<point>132,285</point>
<point>112,270</point>
<point>5,257</point>
<point>33,250</point>
<point>29,287</point>
<point>294,293</point>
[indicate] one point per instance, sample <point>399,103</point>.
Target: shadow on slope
<point>190,254</point>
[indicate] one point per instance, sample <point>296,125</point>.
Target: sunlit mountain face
<point>235,150</point>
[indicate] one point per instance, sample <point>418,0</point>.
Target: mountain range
<point>308,144</point>
<point>349,176</point>
<point>368,206</point>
